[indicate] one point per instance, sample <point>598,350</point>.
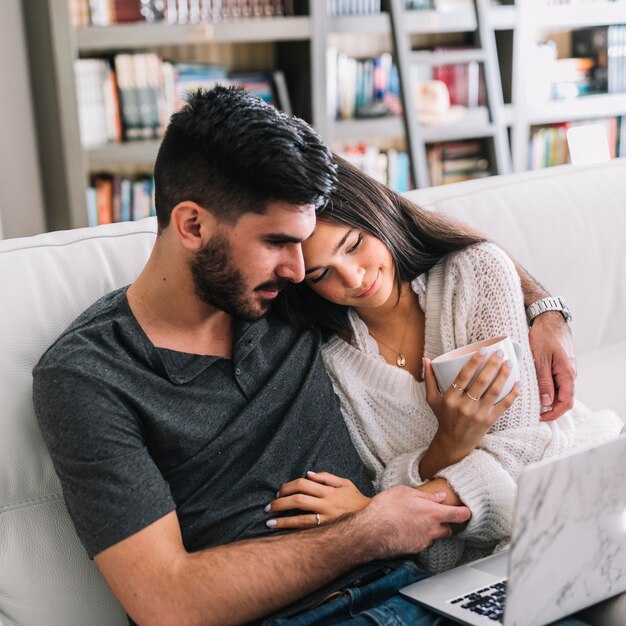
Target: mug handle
<point>518,349</point>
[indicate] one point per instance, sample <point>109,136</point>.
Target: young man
<point>175,408</point>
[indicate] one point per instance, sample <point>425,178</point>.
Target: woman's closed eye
<point>357,244</point>
<point>350,249</point>
<point>321,276</point>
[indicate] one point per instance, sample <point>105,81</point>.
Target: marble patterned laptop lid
<point>569,542</point>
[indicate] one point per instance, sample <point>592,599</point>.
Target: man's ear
<point>193,225</point>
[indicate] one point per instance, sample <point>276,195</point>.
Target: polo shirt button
<point>238,372</point>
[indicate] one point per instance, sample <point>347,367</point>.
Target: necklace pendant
<point>400,360</point>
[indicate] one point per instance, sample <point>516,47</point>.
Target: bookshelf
<point>299,45</point>
<point>54,45</point>
<point>531,24</point>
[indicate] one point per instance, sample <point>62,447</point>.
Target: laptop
<point>568,549</point>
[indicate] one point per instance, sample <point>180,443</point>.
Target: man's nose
<point>292,265</point>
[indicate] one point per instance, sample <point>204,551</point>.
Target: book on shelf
<point>108,12</point>
<point>606,46</point>
<point>361,88</point>
<point>390,167</point>
<point>419,5</point>
<point>114,198</point>
<point>132,97</point>
<point>572,78</point>
<point>79,13</point>
<point>465,81</point>
<point>337,8</point>
<point>98,107</point>
<point>104,198</point>
<point>621,142</point>
<point>456,161</point>
<point>548,143</point>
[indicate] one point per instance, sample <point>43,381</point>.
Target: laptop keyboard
<point>488,602</point>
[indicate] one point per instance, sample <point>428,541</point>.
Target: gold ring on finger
<point>318,518</point>
<point>471,397</point>
<point>458,387</point>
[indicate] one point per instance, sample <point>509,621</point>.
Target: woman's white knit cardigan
<point>468,296</point>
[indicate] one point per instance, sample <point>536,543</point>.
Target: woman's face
<point>348,266</point>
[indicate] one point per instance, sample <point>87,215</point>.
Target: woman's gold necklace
<point>400,358</point>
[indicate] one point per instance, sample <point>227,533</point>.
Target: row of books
<point>360,88</point>
<point>548,144</point>
<point>606,47</point>
<point>465,81</point>
<point>336,8</point>
<point>420,5</point>
<point>390,167</point>
<point>616,58</point>
<point>108,12</point>
<point>456,161</point>
<point>112,198</point>
<point>132,96</point>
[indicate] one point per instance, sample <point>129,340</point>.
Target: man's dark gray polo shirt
<point>136,431</point>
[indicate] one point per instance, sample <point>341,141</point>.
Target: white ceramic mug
<point>447,366</point>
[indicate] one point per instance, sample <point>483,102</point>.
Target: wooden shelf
<point>604,105</point>
<point>425,22</point>
<point>371,24</point>
<point>567,17</point>
<point>141,35</point>
<point>116,155</point>
<point>418,22</point>
<point>474,124</point>
<point>447,57</point>
<point>364,129</point>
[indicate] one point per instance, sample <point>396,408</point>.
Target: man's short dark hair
<point>231,153</point>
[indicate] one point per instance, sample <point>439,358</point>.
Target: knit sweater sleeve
<point>481,299</point>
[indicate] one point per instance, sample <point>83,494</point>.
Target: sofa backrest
<point>45,282</point>
<point>567,226</point>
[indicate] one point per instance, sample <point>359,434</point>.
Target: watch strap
<point>552,303</point>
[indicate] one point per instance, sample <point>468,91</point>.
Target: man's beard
<point>219,283</point>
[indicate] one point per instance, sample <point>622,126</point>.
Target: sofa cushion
<point>599,372</point>
<point>46,281</point>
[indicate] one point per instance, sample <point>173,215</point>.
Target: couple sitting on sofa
<point>181,417</point>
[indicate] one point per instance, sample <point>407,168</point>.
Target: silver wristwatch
<point>554,303</point>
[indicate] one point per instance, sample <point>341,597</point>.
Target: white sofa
<point>566,225</point>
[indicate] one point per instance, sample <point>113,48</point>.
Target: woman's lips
<point>370,289</point>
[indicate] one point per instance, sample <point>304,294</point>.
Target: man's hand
<point>553,353</point>
<point>409,520</point>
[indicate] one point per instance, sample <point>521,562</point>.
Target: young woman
<point>391,287</point>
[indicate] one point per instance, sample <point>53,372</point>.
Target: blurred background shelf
<point>137,36</point>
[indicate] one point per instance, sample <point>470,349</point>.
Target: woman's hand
<point>324,495</point>
<point>465,412</point>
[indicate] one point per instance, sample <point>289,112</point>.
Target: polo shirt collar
<point>181,367</point>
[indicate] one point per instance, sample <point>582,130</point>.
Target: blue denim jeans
<point>377,603</point>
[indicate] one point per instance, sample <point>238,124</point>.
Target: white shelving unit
<point>484,122</point>
<point>54,45</point>
<point>529,24</point>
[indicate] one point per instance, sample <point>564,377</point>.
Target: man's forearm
<point>531,289</point>
<point>158,582</point>
<point>236,583</point>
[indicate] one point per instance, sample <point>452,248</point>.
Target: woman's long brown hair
<point>416,238</point>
